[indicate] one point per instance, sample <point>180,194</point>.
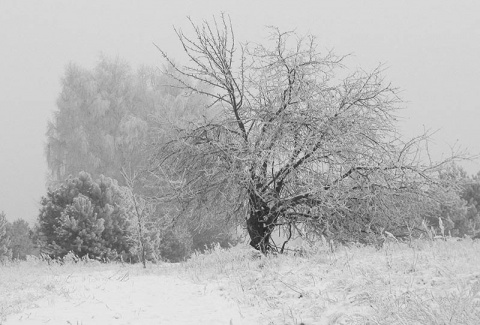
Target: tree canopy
<point>101,121</point>
<point>20,236</point>
<point>86,217</point>
<point>4,240</point>
<point>291,139</point>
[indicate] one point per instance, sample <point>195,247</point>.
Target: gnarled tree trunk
<point>261,223</point>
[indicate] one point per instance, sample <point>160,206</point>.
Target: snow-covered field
<point>423,283</point>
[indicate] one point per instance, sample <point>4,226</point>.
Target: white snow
<point>118,298</point>
<point>422,282</point>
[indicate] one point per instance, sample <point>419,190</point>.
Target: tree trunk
<point>260,224</point>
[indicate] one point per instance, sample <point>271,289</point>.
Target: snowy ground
<point>423,283</point>
<point>116,297</point>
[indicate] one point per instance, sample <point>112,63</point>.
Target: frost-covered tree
<point>459,209</point>
<point>4,240</point>
<point>291,139</point>
<point>20,236</point>
<point>101,120</point>
<point>86,217</point>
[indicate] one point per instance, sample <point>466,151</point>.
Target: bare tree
<point>140,212</point>
<point>291,138</point>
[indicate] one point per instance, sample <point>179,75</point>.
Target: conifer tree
<point>86,217</point>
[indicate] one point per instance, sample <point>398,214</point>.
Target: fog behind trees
<point>427,47</point>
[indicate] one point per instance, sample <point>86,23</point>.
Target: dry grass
<point>424,283</point>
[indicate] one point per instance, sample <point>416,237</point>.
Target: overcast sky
<point>431,50</point>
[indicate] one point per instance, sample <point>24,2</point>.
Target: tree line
<point>152,165</point>
<point>98,145</point>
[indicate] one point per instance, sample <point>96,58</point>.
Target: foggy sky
<point>431,50</point>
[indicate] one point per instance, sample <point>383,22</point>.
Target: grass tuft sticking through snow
<point>418,283</point>
<point>422,282</point>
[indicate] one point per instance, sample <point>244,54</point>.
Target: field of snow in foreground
<point>418,283</point>
<point>117,298</point>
